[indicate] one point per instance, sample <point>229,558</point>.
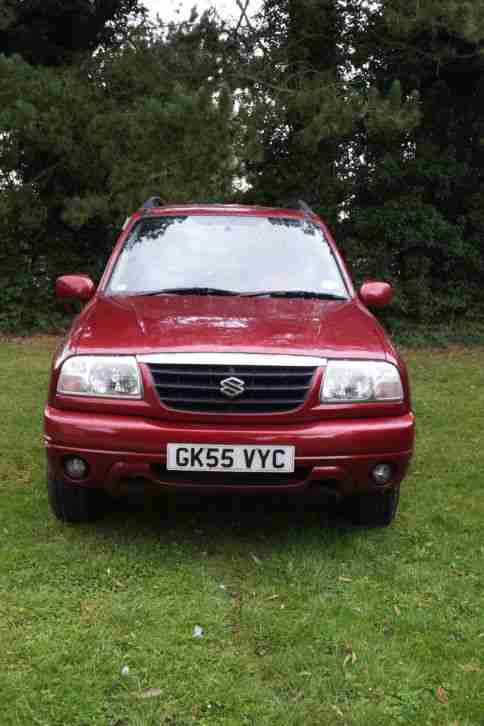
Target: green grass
<point>304,622</point>
<point>469,333</point>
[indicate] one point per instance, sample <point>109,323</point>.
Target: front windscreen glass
<point>235,253</point>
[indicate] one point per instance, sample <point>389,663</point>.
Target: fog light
<point>382,473</point>
<point>75,467</point>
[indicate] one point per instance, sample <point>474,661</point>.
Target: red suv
<point>225,348</point>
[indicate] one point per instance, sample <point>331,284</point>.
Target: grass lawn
<point>304,622</point>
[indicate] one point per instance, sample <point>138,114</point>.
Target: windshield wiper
<point>189,291</point>
<point>297,293</point>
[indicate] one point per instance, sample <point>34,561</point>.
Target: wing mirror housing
<point>376,294</point>
<point>74,287</point>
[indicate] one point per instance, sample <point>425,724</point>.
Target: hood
<point>194,323</point>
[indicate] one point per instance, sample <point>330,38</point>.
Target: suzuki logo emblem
<point>232,386</point>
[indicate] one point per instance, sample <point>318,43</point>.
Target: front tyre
<point>75,504</point>
<point>376,509</point>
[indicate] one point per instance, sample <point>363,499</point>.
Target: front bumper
<point>124,452</point>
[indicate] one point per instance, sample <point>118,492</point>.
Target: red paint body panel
<point>79,287</point>
<point>188,323</point>
<point>376,294</point>
<point>124,439</point>
<point>105,440</point>
<point>314,439</point>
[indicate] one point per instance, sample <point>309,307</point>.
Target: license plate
<point>220,457</point>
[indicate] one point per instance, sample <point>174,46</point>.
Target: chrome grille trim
<point>195,386</point>
<point>232,359</point>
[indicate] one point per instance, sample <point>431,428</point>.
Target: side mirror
<point>376,294</point>
<point>79,287</point>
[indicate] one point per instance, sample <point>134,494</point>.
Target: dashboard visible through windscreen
<point>243,254</point>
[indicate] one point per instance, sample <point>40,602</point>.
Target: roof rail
<point>152,202</point>
<point>305,207</point>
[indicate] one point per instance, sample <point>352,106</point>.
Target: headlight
<point>347,381</point>
<point>106,376</point>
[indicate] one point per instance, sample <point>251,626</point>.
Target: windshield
<point>231,253</point>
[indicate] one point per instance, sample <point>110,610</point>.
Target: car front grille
<point>257,388</point>
<point>235,479</point>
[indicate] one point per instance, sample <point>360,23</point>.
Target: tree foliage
<point>371,112</point>
<point>419,194</point>
<point>303,121</point>
<point>54,32</point>
<point>83,145</point>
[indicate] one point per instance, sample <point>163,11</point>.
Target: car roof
<point>225,209</point>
